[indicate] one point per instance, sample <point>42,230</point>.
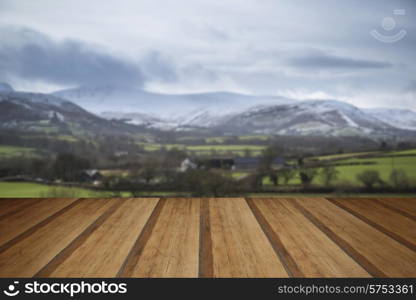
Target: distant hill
<point>127,110</point>
<point>400,118</point>
<point>232,113</point>
<point>5,87</point>
<point>171,107</point>
<point>44,112</point>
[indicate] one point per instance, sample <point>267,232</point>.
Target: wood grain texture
<point>286,258</point>
<point>173,247</point>
<point>206,263</point>
<point>240,248</point>
<point>28,216</point>
<point>405,206</point>
<point>129,264</point>
<point>11,206</point>
<point>115,236</point>
<point>314,254</point>
<point>216,237</point>
<point>394,224</point>
<point>376,252</point>
<point>27,257</point>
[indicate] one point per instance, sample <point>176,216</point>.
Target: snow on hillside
<point>400,118</point>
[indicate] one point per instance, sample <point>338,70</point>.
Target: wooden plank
<point>28,217</point>
<point>28,256</point>
<point>240,247</point>
<point>407,206</point>
<point>206,263</point>
<point>285,257</point>
<point>103,251</point>
<point>132,258</point>
<point>373,250</point>
<point>384,219</point>
<point>173,247</point>
<point>314,254</point>
<point>11,206</point>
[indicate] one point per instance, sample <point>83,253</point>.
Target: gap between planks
<point>38,226</point>
<point>78,241</point>
<point>380,228</point>
<point>345,246</point>
<point>127,269</point>
<point>285,258</point>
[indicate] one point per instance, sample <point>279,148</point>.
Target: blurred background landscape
<point>204,99</point>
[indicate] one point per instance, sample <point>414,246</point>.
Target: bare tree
<point>287,175</point>
<point>307,176</point>
<point>329,174</point>
<point>399,178</point>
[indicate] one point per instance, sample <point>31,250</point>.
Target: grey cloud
<point>411,87</point>
<point>156,66</point>
<point>330,62</point>
<point>31,55</point>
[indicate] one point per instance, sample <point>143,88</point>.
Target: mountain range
<point>48,113</point>
<point>121,109</point>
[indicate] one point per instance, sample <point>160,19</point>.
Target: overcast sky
<point>298,48</point>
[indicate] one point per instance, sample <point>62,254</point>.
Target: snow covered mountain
<point>5,87</point>
<point>44,112</point>
<point>120,109</point>
<point>320,117</point>
<point>171,107</point>
<point>400,118</point>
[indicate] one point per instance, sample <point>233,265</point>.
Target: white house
<point>187,164</point>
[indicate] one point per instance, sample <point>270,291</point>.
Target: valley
<point>206,144</point>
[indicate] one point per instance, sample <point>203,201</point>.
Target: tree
<point>255,180</point>
<point>399,178</point>
<point>247,152</point>
<point>150,169</point>
<point>68,166</point>
<point>274,177</point>
<point>287,175</point>
<point>206,183</point>
<point>307,176</point>
<point>369,178</point>
<point>267,157</point>
<point>329,174</point>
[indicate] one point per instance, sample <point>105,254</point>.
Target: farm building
<point>91,175</point>
<point>187,164</point>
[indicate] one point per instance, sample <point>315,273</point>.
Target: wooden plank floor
<point>201,237</point>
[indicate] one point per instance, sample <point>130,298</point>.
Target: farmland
<point>28,190</point>
<point>349,165</point>
<point>13,151</point>
<point>32,190</point>
<point>206,149</point>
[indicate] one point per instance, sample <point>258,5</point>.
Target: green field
<point>37,190</point>
<point>404,152</point>
<point>15,151</point>
<point>384,165</point>
<point>353,164</point>
<point>28,190</point>
<point>206,149</point>
<point>222,139</point>
<point>343,155</point>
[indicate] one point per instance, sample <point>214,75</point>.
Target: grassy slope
<point>205,149</point>
<point>384,165</point>
<point>28,190</point>
<point>13,151</point>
